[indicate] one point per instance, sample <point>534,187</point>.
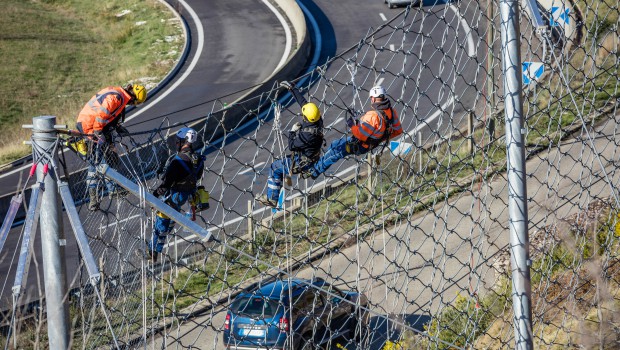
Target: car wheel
<point>391,6</point>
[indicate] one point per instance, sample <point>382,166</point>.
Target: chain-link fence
<point>404,247</point>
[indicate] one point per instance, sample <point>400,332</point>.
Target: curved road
<point>438,49</point>
<point>222,33</point>
<point>443,64</point>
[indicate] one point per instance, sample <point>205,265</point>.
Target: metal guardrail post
<point>52,237</point>
<point>470,133</point>
<point>517,189</point>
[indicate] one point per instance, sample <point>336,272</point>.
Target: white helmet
<point>188,135</point>
<point>377,91</point>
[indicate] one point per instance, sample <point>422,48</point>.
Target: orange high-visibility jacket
<point>371,127</point>
<point>103,108</point>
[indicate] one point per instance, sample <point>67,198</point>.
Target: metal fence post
<point>517,189</point>
<point>251,232</point>
<point>470,133</point>
<point>52,238</point>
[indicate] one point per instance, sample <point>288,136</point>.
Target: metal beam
<point>157,203</point>
<point>16,201</point>
<point>80,235</point>
<point>531,6</point>
<point>30,230</point>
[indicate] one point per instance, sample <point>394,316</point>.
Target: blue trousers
<point>278,168</point>
<point>336,151</point>
<point>163,226</point>
<point>98,157</point>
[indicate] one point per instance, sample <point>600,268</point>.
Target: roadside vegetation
<point>412,184</point>
<point>56,54</point>
<point>418,181</point>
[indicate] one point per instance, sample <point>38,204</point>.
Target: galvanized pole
<point>491,69</point>
<point>517,189</point>
<point>52,238</point>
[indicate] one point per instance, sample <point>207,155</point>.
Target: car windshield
<point>254,306</point>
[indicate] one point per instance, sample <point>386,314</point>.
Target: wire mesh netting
<point>405,247</point>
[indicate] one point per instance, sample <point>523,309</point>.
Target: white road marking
<point>392,47</point>
<point>471,48</point>
<point>379,82</point>
<point>335,122</point>
<point>382,16</point>
<point>287,32</point>
<point>199,47</point>
<point>118,222</point>
<point>251,169</point>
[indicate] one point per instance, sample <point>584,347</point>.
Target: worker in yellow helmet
<point>102,114</point>
<point>305,140</point>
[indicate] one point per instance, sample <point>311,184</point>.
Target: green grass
<point>56,54</point>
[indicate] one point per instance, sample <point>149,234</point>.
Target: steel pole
<point>52,237</point>
<point>491,68</point>
<point>517,189</point>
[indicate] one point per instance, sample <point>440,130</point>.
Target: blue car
<point>295,314</point>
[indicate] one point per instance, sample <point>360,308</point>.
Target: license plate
<point>253,332</point>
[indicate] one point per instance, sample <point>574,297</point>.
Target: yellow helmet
<point>140,92</point>
<point>311,112</point>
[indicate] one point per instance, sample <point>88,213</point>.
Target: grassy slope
<point>56,54</point>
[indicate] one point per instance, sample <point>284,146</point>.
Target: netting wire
<point>421,234</point>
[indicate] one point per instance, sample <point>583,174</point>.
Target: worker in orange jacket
<point>369,131</point>
<point>104,113</point>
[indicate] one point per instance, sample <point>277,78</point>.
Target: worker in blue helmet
<point>179,178</point>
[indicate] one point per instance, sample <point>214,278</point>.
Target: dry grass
<point>56,54</point>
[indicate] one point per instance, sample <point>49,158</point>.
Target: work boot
<point>266,201</point>
<point>93,203</point>
<point>152,255</point>
<point>118,192</point>
<point>147,254</point>
<point>288,180</point>
<point>309,174</point>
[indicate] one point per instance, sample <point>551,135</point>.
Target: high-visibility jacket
<point>371,128</point>
<point>103,108</point>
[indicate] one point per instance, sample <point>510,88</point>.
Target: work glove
<point>287,85</point>
<point>296,127</point>
<point>351,122</point>
<point>122,131</point>
<point>99,138</point>
<point>159,191</point>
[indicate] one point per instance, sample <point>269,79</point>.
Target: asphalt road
<point>441,52</point>
<point>234,44</point>
<point>339,27</point>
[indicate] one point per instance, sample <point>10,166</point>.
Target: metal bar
<point>531,6</point>
<point>16,201</point>
<point>52,239</point>
<point>517,189</point>
<point>158,204</point>
<point>30,229</point>
<point>80,235</point>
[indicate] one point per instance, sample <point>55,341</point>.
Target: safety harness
<point>386,133</point>
<point>302,161</point>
